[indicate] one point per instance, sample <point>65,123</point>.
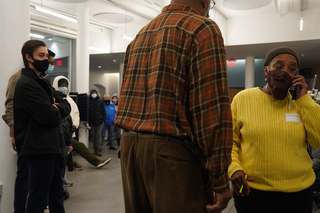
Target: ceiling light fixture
<point>36,35</point>
<point>55,14</point>
<point>98,49</point>
<point>301,19</point>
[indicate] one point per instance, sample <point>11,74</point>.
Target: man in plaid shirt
<point>175,113</point>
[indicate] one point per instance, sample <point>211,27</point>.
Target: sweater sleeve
<point>74,112</point>
<point>310,117</point>
<point>235,163</point>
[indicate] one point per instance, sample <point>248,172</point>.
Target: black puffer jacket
<point>67,130</point>
<point>97,113</point>
<point>36,120</point>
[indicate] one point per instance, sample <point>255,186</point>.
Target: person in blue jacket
<point>109,122</point>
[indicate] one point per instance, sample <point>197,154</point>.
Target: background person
<point>97,116</point>
<point>109,122</point>
<point>51,64</point>
<point>62,84</point>
<point>116,131</point>
<point>37,117</point>
<point>67,131</point>
<point>175,113</point>
<point>270,131</point>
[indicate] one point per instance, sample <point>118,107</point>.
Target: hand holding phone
<point>302,87</point>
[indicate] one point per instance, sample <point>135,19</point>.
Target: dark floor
<point>96,190</point>
<point>100,190</point>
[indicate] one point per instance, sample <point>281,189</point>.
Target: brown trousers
<point>161,175</point>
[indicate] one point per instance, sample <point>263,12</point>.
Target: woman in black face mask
<point>39,60</point>
<point>271,170</point>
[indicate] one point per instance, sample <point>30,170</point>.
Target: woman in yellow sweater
<point>270,130</point>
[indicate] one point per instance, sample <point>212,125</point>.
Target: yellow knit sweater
<point>269,148</point>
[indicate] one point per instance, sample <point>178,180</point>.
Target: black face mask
<point>41,66</point>
<point>279,82</point>
<point>107,102</point>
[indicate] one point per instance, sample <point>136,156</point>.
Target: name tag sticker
<point>293,117</point>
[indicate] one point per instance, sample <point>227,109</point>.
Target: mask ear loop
<point>290,97</point>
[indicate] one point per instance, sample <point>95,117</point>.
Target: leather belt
<point>182,139</point>
<point>155,134</point>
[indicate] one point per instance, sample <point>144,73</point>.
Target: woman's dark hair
<point>29,47</point>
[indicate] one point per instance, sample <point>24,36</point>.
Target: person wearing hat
<point>271,170</point>
<point>97,116</point>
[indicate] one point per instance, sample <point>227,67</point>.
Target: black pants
<point>275,202</point>
<point>45,184</point>
<point>21,185</point>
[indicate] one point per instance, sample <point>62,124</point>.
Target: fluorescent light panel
<point>301,24</point>
<point>56,14</point>
<point>127,37</point>
<point>98,49</point>
<point>36,36</point>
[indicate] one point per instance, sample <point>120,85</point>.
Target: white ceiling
<point>113,18</point>
<point>111,15</point>
<point>245,4</point>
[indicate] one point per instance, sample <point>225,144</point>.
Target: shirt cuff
<point>11,123</point>
<point>221,184</point>
<point>233,167</point>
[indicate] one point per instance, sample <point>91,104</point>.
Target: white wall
<point>273,28</point>
<point>15,28</point>
<point>61,47</point>
<point>108,80</point>
<point>100,41</point>
<point>120,44</point>
<point>221,21</point>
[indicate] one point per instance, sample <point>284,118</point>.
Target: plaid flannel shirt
<point>175,83</point>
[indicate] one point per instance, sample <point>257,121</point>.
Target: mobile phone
<point>293,91</point>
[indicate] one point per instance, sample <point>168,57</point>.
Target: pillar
<point>249,72</point>
<point>82,63</point>
<point>82,50</point>
<point>15,29</point>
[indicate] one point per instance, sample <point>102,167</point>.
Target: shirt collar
<point>179,7</point>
